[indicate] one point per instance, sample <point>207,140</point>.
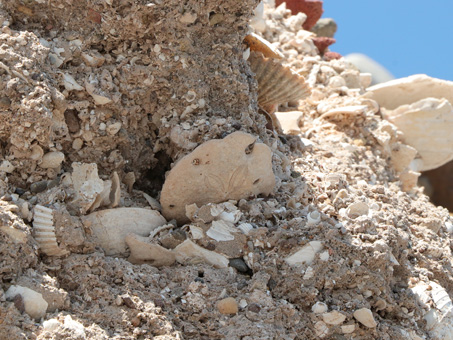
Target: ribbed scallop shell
<point>276,83</point>
<point>259,44</point>
<point>44,232</point>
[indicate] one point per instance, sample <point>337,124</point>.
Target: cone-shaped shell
<point>259,44</point>
<point>276,83</point>
<point>44,232</point>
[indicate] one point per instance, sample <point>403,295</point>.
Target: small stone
<point>50,325</point>
<point>228,306</point>
<point>112,129</point>
<point>135,321</point>
<point>254,307</point>
<point>38,187</point>
<point>240,265</point>
<point>348,329</point>
<point>365,317</point>
<point>7,167</point>
<point>77,144</point>
<point>333,318</point>
<point>319,308</point>
<point>52,160</point>
<point>33,302</point>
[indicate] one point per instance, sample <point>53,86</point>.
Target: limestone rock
<point>111,226</point>
<point>365,317</point>
<point>218,170</point>
<point>33,302</point>
<point>142,251</point>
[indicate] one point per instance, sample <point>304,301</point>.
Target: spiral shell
<point>276,83</point>
<point>44,232</point>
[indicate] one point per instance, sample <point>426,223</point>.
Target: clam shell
<point>259,44</point>
<point>44,232</point>
<point>276,83</point>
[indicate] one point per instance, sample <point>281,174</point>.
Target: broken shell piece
<point>259,44</point>
<point>111,226</point>
<point>289,121</point>
<point>70,83</point>
<point>98,95</point>
<point>319,308</point>
<point>142,251</point>
<point>313,218</point>
<point>218,170</point>
<point>245,228</point>
<point>44,232</point>
<point>189,252</point>
<point>276,83</point>
<point>306,254</point>
<point>221,231</point>
<point>197,232</point>
<point>115,193</point>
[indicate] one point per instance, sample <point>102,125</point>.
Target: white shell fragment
<point>218,170</point>
<point>189,252</point>
<point>319,308</point>
<point>221,231</point>
<point>111,226</point>
<point>306,254</point>
<point>70,83</point>
<point>34,303</point>
<point>142,251</point>
<point>245,228</point>
<point>365,317</point>
<point>44,232</point>
<point>289,121</point>
<point>313,218</point>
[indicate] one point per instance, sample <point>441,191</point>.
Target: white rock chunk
<point>34,303</point>
<point>333,318</point>
<point>52,160</point>
<point>216,171</point>
<point>365,317</point>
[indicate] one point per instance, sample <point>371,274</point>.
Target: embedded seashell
<point>216,171</point>
<point>70,83</point>
<point>245,228</point>
<point>306,254</point>
<point>142,251</point>
<point>441,298</point>
<point>189,252</point>
<point>357,209</point>
<point>220,231</point>
<point>111,226</point>
<point>259,44</point>
<point>313,218</point>
<point>276,83</point>
<point>44,232</point>
<point>319,308</point>
<point>197,232</point>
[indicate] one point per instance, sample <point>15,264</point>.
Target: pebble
<point>347,329</point>
<point>33,302</point>
<point>319,308</point>
<point>240,265</point>
<point>365,317</point>
<point>52,160</point>
<point>38,187</point>
<point>333,318</point>
<point>228,306</point>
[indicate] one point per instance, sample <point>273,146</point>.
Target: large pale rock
<point>409,90</point>
<point>421,107</point>
<point>218,170</point>
<point>111,226</point>
<point>427,126</point>
<point>32,302</point>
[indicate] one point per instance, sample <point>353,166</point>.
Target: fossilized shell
<point>111,226</point>
<point>44,232</point>
<point>189,252</point>
<point>306,254</point>
<point>259,44</point>
<point>276,83</point>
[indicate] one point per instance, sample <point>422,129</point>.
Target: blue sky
<point>407,37</point>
